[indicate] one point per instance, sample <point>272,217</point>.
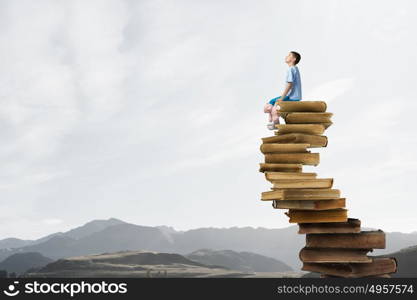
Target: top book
<point>303,106</point>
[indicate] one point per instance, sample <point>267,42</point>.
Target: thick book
<point>326,255</point>
<point>307,117</point>
<point>302,106</point>
<point>315,141</point>
<point>301,194</point>
<point>365,239</point>
<point>283,148</point>
<point>280,167</point>
<point>270,176</point>
<point>317,216</point>
<point>311,159</point>
<point>309,204</point>
<point>303,183</point>
<point>378,266</point>
<point>351,226</point>
<point>300,128</point>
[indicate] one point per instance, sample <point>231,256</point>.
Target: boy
<point>292,91</point>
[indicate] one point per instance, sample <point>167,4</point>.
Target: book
<point>315,141</point>
<point>317,216</point>
<point>303,183</point>
<point>302,106</point>
<point>325,255</point>
<point>309,204</point>
<point>270,176</point>
<point>280,167</point>
<point>351,226</point>
<point>312,159</point>
<point>364,239</point>
<point>300,128</point>
<point>283,148</point>
<point>378,266</point>
<point>306,117</point>
<point>301,194</point>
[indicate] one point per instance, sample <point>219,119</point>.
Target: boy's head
<point>293,58</point>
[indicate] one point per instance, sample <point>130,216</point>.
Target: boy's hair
<point>297,56</point>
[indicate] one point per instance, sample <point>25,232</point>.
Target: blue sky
<point>152,111</point>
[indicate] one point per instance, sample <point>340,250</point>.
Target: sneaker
<point>271,126</point>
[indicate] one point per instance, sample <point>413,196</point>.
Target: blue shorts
<point>286,98</point>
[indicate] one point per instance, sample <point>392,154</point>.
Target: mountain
<point>10,246</point>
<point>56,247</point>
<point>263,241</point>
<point>21,262</point>
<point>119,237</point>
<point>92,227</point>
<point>127,236</point>
<point>13,243</point>
<point>76,233</point>
<point>242,261</point>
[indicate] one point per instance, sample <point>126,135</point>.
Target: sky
<point>152,111</point>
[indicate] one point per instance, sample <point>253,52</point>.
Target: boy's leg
<point>275,114</point>
<point>276,110</point>
<point>268,109</point>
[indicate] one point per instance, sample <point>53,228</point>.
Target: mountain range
<point>113,235</point>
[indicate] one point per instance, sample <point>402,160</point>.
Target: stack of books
<point>335,244</point>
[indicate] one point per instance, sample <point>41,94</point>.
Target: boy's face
<point>290,58</point>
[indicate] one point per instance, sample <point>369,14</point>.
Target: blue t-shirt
<point>293,75</point>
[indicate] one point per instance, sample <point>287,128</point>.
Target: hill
<point>21,262</point>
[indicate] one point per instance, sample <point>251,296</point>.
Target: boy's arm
<point>284,93</point>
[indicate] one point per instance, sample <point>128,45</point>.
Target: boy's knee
<point>267,108</point>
